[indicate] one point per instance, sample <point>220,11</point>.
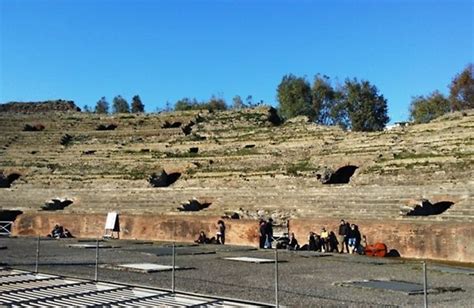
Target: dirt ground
<point>305,279</point>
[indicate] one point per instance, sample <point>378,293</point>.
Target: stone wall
<point>140,227</point>
<point>451,241</point>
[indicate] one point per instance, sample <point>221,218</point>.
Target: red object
<point>376,250</point>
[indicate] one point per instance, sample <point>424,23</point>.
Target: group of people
<point>218,239</point>
<point>348,239</point>
<point>60,232</point>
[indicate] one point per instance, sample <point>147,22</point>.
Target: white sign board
<point>111,220</point>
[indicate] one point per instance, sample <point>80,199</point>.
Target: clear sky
<point>166,50</point>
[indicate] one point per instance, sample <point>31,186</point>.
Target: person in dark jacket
<point>293,243</point>
<point>262,233</point>
<point>342,236</point>
<point>312,245</point>
<point>354,238</point>
<point>269,233</point>
<point>220,234</point>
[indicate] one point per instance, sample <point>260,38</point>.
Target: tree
<point>294,97</point>
<point>120,105</point>
<point>324,100</point>
<point>102,106</point>
<point>137,105</point>
<point>87,109</point>
<point>215,104</point>
<point>365,108</point>
<point>186,104</point>
<point>424,109</point>
<point>237,102</point>
<point>462,90</point>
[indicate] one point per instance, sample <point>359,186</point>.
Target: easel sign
<point>112,225</point>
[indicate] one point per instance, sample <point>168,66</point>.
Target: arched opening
<point>426,208</point>
<point>342,175</point>
<point>106,127</point>
<point>6,181</point>
<point>193,206</point>
<point>56,204</point>
<point>7,217</point>
<point>171,125</point>
<point>163,179</point>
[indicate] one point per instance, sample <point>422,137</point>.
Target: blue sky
<point>165,50</point>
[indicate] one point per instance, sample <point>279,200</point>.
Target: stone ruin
<point>335,174</point>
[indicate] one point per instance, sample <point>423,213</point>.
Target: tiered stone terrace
<point>244,164</point>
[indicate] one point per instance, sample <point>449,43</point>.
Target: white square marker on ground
<point>146,267</point>
<point>250,260</point>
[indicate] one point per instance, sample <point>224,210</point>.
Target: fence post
<point>96,275</point>
<point>425,287</point>
<point>37,254</point>
<point>173,268</point>
<point>276,278</point>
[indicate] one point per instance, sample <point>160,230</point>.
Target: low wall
<point>449,241</point>
<point>140,227</point>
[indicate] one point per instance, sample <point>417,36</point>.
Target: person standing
<point>341,236</point>
<point>220,234</point>
<point>269,233</point>
<point>262,233</point>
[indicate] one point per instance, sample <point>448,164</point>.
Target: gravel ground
<point>305,279</point>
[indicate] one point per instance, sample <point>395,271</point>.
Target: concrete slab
<point>452,269</point>
<point>142,267</point>
<point>91,246</point>
<point>251,260</point>
<point>409,288</point>
<point>168,251</point>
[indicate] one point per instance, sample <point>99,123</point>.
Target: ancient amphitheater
<point>410,187</point>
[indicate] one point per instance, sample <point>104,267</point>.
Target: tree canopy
<point>366,108</point>
<point>461,89</point>
<point>323,98</point>
<point>294,97</point>
<point>102,106</point>
<point>137,105</point>
<point>213,104</point>
<point>424,109</point>
<point>120,105</point>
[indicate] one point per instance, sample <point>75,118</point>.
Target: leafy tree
<point>186,104</point>
<point>120,105</point>
<point>324,100</point>
<point>137,105</point>
<point>237,102</point>
<point>365,108</point>
<point>294,97</point>
<point>87,109</point>
<point>102,106</point>
<point>424,109</point>
<point>462,90</point>
<point>215,104</point>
